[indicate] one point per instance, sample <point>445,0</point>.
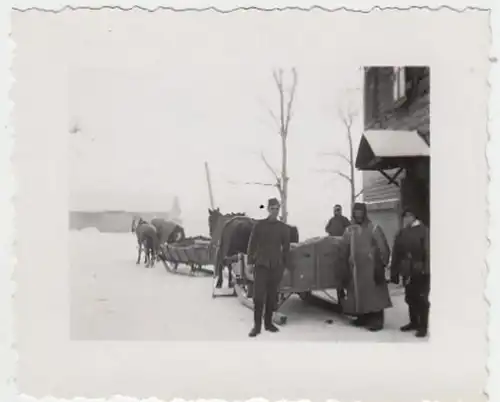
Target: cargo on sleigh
<point>315,265</point>
<point>195,254</point>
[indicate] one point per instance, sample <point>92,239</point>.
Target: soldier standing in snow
<point>366,254</point>
<point>411,262</point>
<point>268,250</point>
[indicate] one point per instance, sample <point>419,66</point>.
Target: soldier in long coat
<point>366,254</point>
<point>411,262</point>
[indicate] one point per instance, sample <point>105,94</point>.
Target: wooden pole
<point>209,182</point>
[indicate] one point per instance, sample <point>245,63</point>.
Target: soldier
<point>366,254</point>
<point>411,262</point>
<point>268,250</point>
<point>337,223</point>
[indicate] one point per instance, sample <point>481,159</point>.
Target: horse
<point>135,222</point>
<point>147,238</point>
<point>168,231</point>
<point>231,233</point>
<point>221,231</point>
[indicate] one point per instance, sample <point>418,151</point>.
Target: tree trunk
<point>353,186</point>
<point>351,166</point>
<point>284,180</point>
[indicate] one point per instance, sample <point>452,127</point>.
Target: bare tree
<point>347,118</point>
<point>282,124</point>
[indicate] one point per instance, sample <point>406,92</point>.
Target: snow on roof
<point>396,143</point>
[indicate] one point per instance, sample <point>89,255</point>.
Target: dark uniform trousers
<point>417,297</point>
<point>265,293</point>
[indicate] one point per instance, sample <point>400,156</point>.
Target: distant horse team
<point>151,235</point>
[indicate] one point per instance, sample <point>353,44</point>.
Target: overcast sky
<point>155,97</point>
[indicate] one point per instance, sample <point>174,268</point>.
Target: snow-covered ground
<point>112,298</point>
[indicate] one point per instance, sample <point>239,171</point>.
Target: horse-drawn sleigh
<point>314,265</point>
<point>195,253</point>
<point>166,241</point>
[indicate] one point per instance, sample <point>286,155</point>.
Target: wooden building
<point>394,151</point>
<point>109,221</point>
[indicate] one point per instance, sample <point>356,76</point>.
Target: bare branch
<point>252,183</point>
<point>273,116</point>
<point>275,119</point>
<point>343,175</point>
<point>359,193</point>
<point>276,184</point>
<point>269,167</point>
<point>347,117</point>
<point>289,111</point>
<point>338,173</point>
<point>278,79</point>
<point>285,111</point>
<point>346,120</point>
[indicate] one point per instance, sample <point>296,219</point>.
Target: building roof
<point>389,149</point>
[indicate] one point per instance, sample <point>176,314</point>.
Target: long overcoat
<point>366,254</point>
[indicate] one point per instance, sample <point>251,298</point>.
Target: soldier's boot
<point>376,322</point>
<point>268,321</point>
<point>361,320</point>
<point>257,319</point>
<point>423,323</point>
<point>413,324</point>
<point>254,332</point>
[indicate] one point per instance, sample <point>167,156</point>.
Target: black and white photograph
<point>162,186</point>
<point>254,184</point>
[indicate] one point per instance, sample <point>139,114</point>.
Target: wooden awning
<point>390,149</point>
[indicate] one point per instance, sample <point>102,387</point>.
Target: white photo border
<point>8,193</point>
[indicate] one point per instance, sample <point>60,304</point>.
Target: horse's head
<point>136,221</point>
<point>216,221</point>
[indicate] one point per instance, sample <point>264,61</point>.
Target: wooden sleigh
<point>196,257</point>
<point>314,271</point>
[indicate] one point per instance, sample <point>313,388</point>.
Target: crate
<point>314,265</point>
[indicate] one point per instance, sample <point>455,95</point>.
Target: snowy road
<point>112,298</point>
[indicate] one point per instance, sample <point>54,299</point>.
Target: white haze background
<point>152,107</point>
